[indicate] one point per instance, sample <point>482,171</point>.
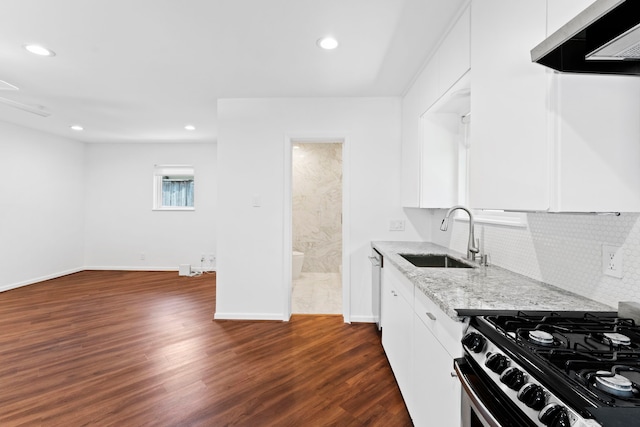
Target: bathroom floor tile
<point>317,293</point>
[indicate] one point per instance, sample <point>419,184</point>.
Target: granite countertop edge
<point>480,288</point>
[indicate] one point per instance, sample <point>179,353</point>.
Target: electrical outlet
<point>396,225</point>
<point>202,258</point>
<point>142,256</point>
<point>211,259</point>
<point>612,260</point>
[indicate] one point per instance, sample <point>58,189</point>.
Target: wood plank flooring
<point>142,349</point>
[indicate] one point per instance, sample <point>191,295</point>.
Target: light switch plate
<point>396,225</point>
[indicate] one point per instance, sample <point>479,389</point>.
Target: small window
<point>173,188</point>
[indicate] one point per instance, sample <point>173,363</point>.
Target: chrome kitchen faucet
<point>472,245</point>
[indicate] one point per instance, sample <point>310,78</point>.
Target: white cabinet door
<point>442,138</point>
<point>454,54</point>
<point>436,394</point>
<point>439,167</point>
<point>559,12</point>
<point>509,154</point>
<point>597,143</point>
<point>397,331</point>
<point>422,94</point>
<point>446,67</point>
<point>595,118</point>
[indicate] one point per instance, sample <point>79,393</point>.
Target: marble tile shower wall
<point>317,205</point>
<point>565,250</point>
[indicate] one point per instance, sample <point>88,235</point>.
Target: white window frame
<point>496,217</point>
<point>161,171</point>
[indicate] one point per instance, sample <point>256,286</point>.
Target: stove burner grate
<point>614,384</point>
<point>541,337</point>
<point>619,384</point>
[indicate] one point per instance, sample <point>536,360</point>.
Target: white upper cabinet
<point>597,143</point>
<point>560,12</point>
<point>443,136</point>
<point>509,151</point>
<point>428,162</point>
<point>454,54</point>
<point>423,93</point>
<point>542,140</point>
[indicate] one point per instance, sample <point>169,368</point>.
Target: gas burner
<point>614,384</point>
<point>612,340</point>
<point>541,337</point>
<point>617,339</point>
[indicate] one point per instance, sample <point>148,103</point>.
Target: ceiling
<point>140,70</point>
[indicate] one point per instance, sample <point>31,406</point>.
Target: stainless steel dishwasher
<point>377,261</point>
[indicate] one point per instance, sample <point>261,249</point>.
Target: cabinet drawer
<point>399,283</point>
<point>446,330</point>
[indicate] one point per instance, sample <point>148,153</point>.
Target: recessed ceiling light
<point>39,50</point>
<point>77,127</point>
<point>190,127</point>
<point>328,43</point>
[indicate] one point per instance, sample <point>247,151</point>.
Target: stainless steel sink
<point>435,261</point>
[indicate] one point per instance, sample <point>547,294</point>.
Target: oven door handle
<point>474,398</point>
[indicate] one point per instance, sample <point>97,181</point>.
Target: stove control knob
<point>554,415</point>
<point>474,342</point>
<point>533,396</point>
<point>513,378</point>
<point>496,362</point>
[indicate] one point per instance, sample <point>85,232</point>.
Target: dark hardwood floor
<point>142,349</point>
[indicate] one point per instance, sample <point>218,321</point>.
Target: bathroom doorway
<point>316,230</point>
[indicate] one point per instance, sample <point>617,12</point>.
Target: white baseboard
<point>40,279</point>
<point>248,316</point>
<point>142,268</point>
<point>129,268</point>
<point>363,319</point>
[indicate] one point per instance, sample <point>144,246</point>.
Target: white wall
<point>120,222</point>
<point>41,206</point>
<point>251,281</point>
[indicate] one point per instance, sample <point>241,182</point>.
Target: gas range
<point>560,369</point>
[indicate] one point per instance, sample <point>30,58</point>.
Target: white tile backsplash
<point>564,250</point>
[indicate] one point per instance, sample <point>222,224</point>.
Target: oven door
<point>483,403</point>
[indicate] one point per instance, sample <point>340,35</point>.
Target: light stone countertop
<point>481,288</point>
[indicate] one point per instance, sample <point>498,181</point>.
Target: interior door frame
<point>289,140</point>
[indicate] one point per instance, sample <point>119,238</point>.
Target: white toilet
<point>298,260</point>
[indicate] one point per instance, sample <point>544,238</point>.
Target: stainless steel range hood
<point>604,39</point>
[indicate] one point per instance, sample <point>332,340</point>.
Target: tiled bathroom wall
<point>317,205</point>
<point>564,250</point>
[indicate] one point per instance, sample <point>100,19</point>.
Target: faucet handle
<point>484,260</point>
<point>476,247</point>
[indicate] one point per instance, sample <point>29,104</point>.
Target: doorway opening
<point>316,227</point>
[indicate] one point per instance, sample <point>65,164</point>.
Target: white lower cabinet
<point>396,330</point>
<point>420,342</point>
<point>436,394</point>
